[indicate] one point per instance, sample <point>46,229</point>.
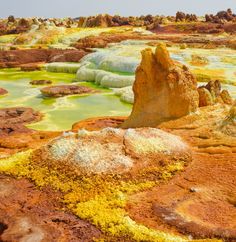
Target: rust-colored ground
<point>29,214</point>
<point>200,201</point>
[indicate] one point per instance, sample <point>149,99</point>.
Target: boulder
<point>64,90</point>
<point>163,90</point>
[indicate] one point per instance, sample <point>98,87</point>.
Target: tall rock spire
<point>163,90</point>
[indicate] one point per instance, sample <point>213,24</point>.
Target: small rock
<point>40,82</point>
<point>194,189</point>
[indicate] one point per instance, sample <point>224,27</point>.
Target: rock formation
<point>15,136</point>
<point>221,17</point>
<point>103,40</point>
<point>18,115</point>
<point>17,58</point>
<point>180,16</point>
<point>113,151</point>
<point>64,90</point>
<point>211,94</point>
<point>163,90</point>
<point>12,120</point>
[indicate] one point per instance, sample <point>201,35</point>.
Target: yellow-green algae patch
<point>21,93</point>
<point>100,199</point>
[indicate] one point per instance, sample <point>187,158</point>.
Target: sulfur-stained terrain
<point>118,128</point>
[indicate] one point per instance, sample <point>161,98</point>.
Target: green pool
<point>59,113</point>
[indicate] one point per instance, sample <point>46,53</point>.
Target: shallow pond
<point>59,113</point>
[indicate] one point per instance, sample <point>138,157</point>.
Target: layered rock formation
<point>17,58</point>
<point>64,90</point>
<point>12,120</point>
<point>104,39</point>
<point>15,136</point>
<point>163,90</point>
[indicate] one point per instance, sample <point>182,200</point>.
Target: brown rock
<point>214,87</point>
<point>30,67</point>
<point>18,58</point>
<point>18,115</point>
<point>163,90</point>
<point>100,21</point>
<point>12,121</point>
<point>64,90</point>
<point>227,99</point>
<point>221,17</point>
<point>205,97</point>
<point>211,93</point>
<point>104,39</point>
<point>11,19</point>
<point>40,82</point>
<point>68,56</point>
<point>15,136</point>
<point>3,91</point>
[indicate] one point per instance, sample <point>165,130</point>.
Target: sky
<point>76,8</point>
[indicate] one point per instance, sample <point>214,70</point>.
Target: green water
<point>59,113</point>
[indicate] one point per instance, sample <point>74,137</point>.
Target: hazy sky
<point>75,8</point>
